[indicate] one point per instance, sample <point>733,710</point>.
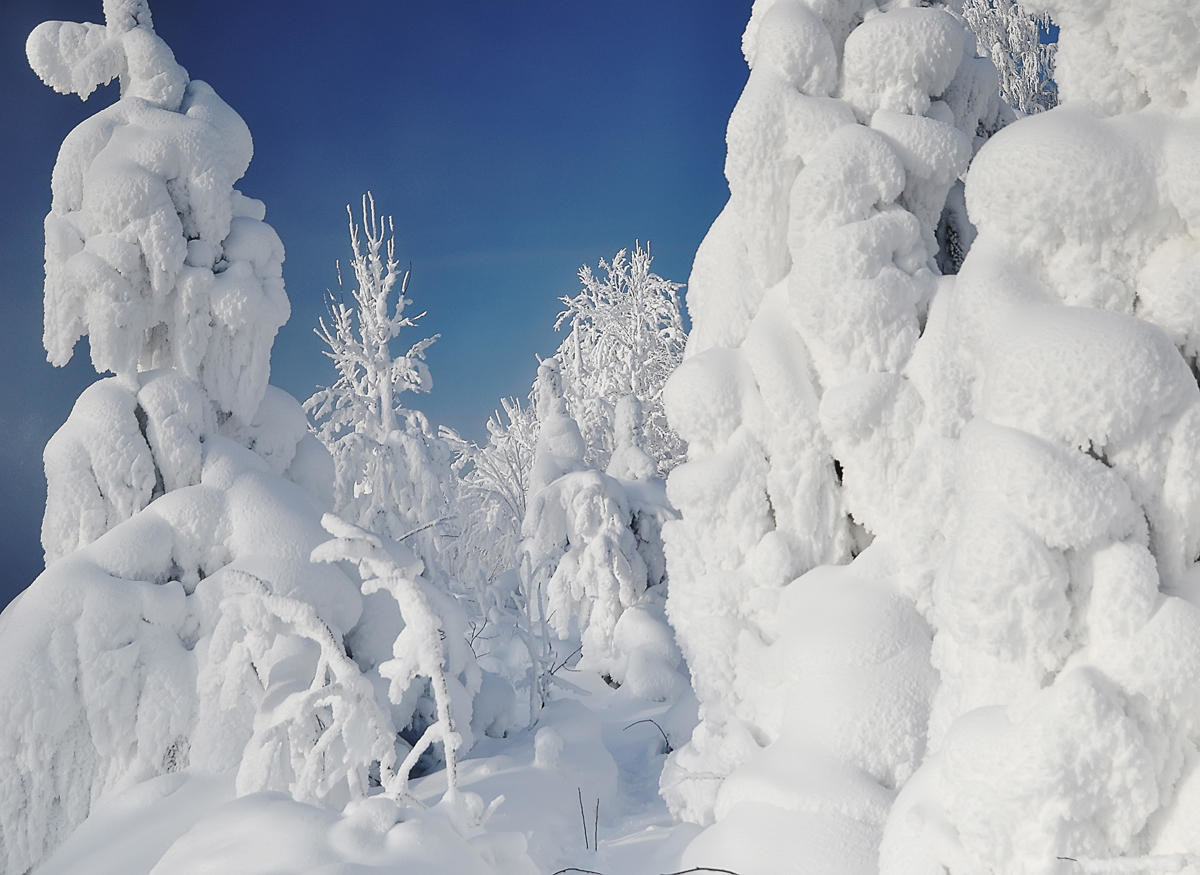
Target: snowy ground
<point>584,748</point>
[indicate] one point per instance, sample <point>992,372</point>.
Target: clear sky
<point>511,141</point>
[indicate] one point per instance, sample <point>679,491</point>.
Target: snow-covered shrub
<point>808,296</point>
<point>393,471</point>
<point>626,337</point>
<point>430,647</point>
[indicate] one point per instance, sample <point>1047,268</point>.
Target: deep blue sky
<point>512,142</point>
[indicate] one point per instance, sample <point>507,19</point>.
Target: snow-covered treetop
<point>359,336</point>
<point>560,448</point>
<point>150,251</point>
<point>74,58</point>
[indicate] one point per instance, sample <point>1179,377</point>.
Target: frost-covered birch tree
<point>626,337</point>
<point>493,482</point>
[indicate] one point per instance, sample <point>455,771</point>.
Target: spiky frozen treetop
<point>360,332</point>
<point>150,251</point>
<point>392,470</point>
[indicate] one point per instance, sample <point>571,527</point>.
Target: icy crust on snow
<point>187,823</point>
<point>150,251</point>
<point>857,121</point>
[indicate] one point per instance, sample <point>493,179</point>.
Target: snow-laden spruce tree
<point>626,338</point>
<point>179,610</point>
<point>392,470</point>
<point>808,296</point>
<point>1063,734</point>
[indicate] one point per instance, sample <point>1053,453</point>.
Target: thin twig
<point>573,869</point>
<point>422,528</point>
<point>568,659</point>
<point>583,817</point>
<point>666,740</point>
<point>596,827</point>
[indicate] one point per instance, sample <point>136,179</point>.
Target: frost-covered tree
<point>1061,378</point>
<point>626,337</point>
<point>586,541</point>
<point>184,494</point>
<point>493,481</point>
<point>1012,39</point>
<point>808,296</point>
<point>392,469</point>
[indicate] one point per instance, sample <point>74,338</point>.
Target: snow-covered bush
<point>430,647</point>
<point>626,337</point>
<point>393,471</point>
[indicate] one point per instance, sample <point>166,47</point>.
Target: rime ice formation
<point>808,296</point>
<point>591,548</point>
<point>1062,380</point>
<point>150,251</point>
<point>1001,677</point>
<point>179,605</point>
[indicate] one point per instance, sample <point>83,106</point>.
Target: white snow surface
<point>598,746</point>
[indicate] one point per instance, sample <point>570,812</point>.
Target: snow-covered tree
<point>589,552</point>
<point>174,483</point>
<point>626,337</point>
<point>393,471</point>
<point>1062,380</point>
<point>493,481</point>
<point>1012,39</point>
<point>808,296</point>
